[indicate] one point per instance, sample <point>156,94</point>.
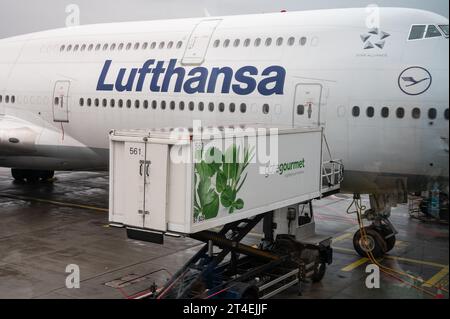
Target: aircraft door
<point>307,105</point>
<point>199,41</point>
<point>61,101</point>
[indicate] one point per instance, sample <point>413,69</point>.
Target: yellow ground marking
<point>40,200</point>
<point>355,264</point>
<point>342,237</point>
<point>436,278</point>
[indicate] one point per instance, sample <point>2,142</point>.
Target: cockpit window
<point>417,32</point>
<point>433,32</point>
<point>444,29</point>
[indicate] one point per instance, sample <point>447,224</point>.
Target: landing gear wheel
<point>46,175</point>
<point>374,243</point>
<point>319,272</point>
<point>390,241</point>
<point>18,174</point>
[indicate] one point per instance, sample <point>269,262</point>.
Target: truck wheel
<point>373,243</point>
<point>319,272</point>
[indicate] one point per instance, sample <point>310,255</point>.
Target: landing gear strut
<point>378,238</point>
<point>31,176</point>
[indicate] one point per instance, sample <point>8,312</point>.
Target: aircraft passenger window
<point>120,103</point>
<point>154,104</point>
<point>201,106</point>
<point>13,99</point>
<point>136,46</point>
<point>303,41</point>
<point>444,29</point>
<point>416,113</point>
<point>128,104</point>
<point>105,102</point>
<point>236,43</point>
<point>221,107</point>
<point>144,45</point>
<point>81,102</point>
<point>279,41</point>
<point>243,107</point>
<point>112,103</point>
<point>432,113</point>
<point>120,47</point>
<point>268,42</point>
<point>56,102</point>
<point>257,42</point>
<point>128,47</point>
<point>172,105</point>
<point>300,109</point>
<point>83,48</point>
<point>75,48</point>
<point>246,43</point>
<point>385,112</point>
<point>163,105</point>
<point>370,112</point>
<point>291,41</point>
<point>432,32</point>
<point>400,112</point>
<point>211,107</point>
<point>1,99</point>
<point>62,48</point>
<point>179,44</point>
<point>161,45</point>
<point>226,43</point>
<point>216,43</point>
<point>69,48</point>
<point>137,104</point>
<point>153,45</point>
<point>97,102</point>
<point>191,106</point>
<point>89,102</point>
<point>265,109</point>
<point>146,104</point>
<point>112,47</point>
<point>232,107</point>
<point>105,47</point>
<point>91,47</point>
<point>355,111</point>
<point>97,47</point>
<point>417,32</point>
<point>181,106</point>
<point>446,114</point>
<point>170,45</point>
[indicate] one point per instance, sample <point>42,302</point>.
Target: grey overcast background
<point>25,16</point>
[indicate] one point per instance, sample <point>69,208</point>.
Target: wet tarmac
<point>47,226</point>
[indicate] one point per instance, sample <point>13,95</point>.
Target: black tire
<point>33,176</point>
<point>390,241</point>
<point>376,243</point>
<point>46,175</point>
<point>18,174</point>
<point>319,272</point>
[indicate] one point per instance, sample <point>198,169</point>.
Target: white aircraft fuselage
<point>381,97</point>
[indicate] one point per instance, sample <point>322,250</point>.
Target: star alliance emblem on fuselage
<point>374,38</point>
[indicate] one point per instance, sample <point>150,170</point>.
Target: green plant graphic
<point>228,172</point>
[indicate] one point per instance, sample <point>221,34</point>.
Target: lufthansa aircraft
<point>380,93</point>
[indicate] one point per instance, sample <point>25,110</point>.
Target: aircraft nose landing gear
<point>31,176</point>
<point>378,238</point>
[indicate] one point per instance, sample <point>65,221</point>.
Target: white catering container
<point>185,183</point>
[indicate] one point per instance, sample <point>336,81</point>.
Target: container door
<point>61,101</point>
<point>307,105</point>
<point>155,191</point>
<point>133,184</point>
<point>199,41</point>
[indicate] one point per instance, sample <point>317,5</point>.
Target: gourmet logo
<point>159,76</point>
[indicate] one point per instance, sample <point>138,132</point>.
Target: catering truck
<point>193,181</point>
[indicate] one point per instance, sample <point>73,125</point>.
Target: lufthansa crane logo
<point>415,80</point>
